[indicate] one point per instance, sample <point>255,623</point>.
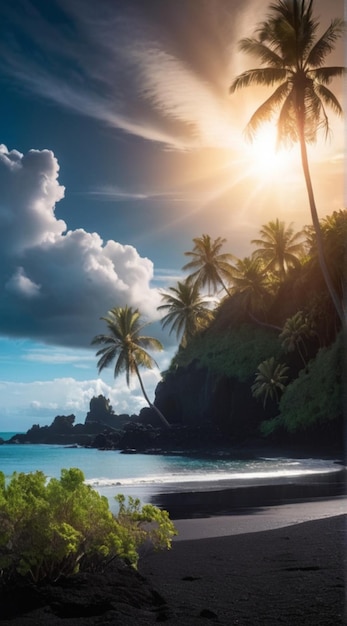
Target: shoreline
<point>257,565</point>
<point>218,498</point>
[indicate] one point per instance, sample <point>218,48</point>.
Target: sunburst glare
<point>265,160</point>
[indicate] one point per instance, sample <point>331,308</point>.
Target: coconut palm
<point>295,330</point>
<point>210,266</point>
<point>249,278</point>
<point>125,345</point>
<point>279,247</point>
<point>269,380</point>
<point>187,311</point>
<point>292,57</point>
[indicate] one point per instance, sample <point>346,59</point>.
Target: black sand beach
<point>292,575</point>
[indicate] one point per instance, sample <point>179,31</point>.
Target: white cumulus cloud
<point>57,283</point>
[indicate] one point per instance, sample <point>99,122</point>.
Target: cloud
<point>57,283</point>
<point>157,70</point>
<point>54,355</point>
<point>160,73</point>
<point>38,402</point>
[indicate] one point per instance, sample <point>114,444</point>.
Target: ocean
<point>143,475</point>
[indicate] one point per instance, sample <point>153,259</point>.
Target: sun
<point>265,161</point>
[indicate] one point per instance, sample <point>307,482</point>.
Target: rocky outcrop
<point>100,420</point>
<point>101,413</point>
<point>194,397</point>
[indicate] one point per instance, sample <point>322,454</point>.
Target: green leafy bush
<point>55,528</point>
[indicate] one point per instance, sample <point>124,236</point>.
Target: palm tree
<point>126,346</point>
<point>279,247</point>
<point>210,266</point>
<point>292,58</point>
<point>269,380</point>
<point>295,330</point>
<point>187,311</point>
<point>253,285</point>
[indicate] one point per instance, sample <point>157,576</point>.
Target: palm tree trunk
<point>316,225</point>
<point>224,286</point>
<point>266,324</point>
<point>152,406</point>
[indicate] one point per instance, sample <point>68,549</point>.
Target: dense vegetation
<point>277,333</point>
<point>56,528</point>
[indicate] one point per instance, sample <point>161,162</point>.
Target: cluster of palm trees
<point>292,59</point>
<point>254,278</point>
<point>188,312</point>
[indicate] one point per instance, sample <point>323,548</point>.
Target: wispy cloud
<point>57,356</point>
<point>131,68</point>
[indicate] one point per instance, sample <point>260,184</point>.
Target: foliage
<point>292,57</point>
<point>316,396</point>
<point>334,234</point>
<point>124,343</point>
<point>251,281</point>
<point>279,247</point>
<point>145,523</point>
<point>127,347</point>
<point>55,528</point>
<point>187,311</point>
<point>210,266</point>
<point>269,380</point>
<point>295,330</point>
<point>235,353</point>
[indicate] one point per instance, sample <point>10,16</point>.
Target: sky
<point>119,144</point>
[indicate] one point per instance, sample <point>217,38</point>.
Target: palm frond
<point>328,98</point>
<point>259,50</point>
<point>266,109</point>
<point>325,45</point>
<point>287,122</point>
<point>325,75</point>
<point>265,76</point>
<point>107,356</point>
<point>150,342</point>
<point>142,358</point>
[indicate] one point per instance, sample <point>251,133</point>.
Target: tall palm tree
<point>292,58</point>
<point>210,266</point>
<point>127,347</point>
<point>279,247</point>
<point>187,311</point>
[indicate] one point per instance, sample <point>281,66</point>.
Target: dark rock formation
<point>100,420</point>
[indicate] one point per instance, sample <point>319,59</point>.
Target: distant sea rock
<point>100,420</point>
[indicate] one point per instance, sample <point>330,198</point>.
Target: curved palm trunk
<point>316,225</point>
<point>266,324</point>
<point>224,286</point>
<point>152,406</point>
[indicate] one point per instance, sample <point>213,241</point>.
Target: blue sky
<point>119,144</point>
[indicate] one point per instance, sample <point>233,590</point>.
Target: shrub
<point>55,528</point>
<point>315,397</point>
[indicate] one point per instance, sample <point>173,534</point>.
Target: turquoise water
<point>142,475</point>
